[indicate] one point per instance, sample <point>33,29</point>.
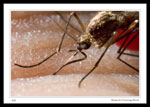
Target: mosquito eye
<point>83,45</point>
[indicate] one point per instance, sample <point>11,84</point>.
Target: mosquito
<point>101,31</point>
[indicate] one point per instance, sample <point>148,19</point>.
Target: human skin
<point>35,35</point>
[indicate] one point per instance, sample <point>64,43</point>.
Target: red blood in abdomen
<point>134,46</point>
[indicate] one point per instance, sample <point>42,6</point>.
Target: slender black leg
<point>131,29</point>
<point>121,47</point>
<point>66,22</point>
<point>96,64</point>
<point>77,60</point>
<point>83,29</point>
<point>123,44</point>
<point>23,66</point>
<point>77,18</point>
<point>64,30</point>
<point>57,49</point>
<point>121,53</point>
<point>128,31</point>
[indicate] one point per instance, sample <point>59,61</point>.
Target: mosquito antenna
<point>70,62</point>
<point>37,63</point>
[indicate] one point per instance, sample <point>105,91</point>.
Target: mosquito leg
<point>83,29</point>
<point>121,47</point>
<point>77,60</point>
<point>121,52</point>
<point>79,21</point>
<point>123,35</point>
<point>130,54</point>
<point>61,41</point>
<point>96,64</point>
<point>126,32</point>
<point>64,30</point>
<point>123,44</point>
<point>37,63</point>
<point>66,22</point>
<point>57,49</point>
<point>77,18</point>
<point>127,37</point>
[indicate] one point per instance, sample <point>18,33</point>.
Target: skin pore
<point>35,35</point>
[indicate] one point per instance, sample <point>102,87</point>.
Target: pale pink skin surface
<point>35,36</point>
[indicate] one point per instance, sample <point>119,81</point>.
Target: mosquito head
<point>83,45</point>
<point>84,42</point>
